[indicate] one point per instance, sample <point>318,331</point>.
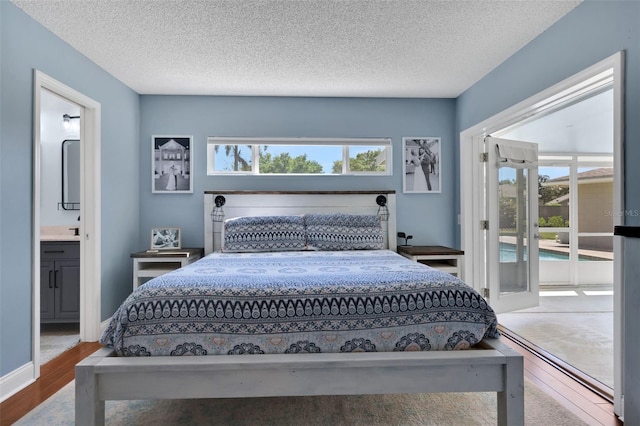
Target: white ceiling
<point>353,48</point>
<point>584,127</point>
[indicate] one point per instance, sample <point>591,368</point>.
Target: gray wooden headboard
<point>268,203</point>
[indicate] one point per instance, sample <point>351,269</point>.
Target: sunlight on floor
<point>557,293</point>
<point>598,293</point>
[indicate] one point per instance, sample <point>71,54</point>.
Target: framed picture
<point>171,164</point>
<point>165,238</point>
<point>421,165</point>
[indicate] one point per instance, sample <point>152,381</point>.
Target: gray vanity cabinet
<point>60,281</point>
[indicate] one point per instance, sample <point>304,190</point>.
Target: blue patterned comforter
<point>303,301</point>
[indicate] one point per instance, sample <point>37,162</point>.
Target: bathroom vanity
<point>59,278</point>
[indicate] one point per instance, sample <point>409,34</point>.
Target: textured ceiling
<point>359,48</point>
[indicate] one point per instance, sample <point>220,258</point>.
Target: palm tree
<point>233,151</point>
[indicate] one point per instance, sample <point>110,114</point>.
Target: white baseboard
<point>17,380</point>
<point>104,325</point>
<point>22,377</point>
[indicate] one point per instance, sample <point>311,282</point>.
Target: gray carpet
<point>420,409</point>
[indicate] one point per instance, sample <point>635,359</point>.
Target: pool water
<point>508,254</point>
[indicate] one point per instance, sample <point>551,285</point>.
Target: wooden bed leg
<point>511,400</point>
<point>89,408</point>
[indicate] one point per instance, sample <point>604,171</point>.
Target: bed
<point>310,307</point>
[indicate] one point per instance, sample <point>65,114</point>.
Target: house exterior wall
<point>595,206</point>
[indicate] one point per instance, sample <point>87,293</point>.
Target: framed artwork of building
<point>171,164</point>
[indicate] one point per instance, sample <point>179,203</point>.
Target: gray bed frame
<point>491,366</point>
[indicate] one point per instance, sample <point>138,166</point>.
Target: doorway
<point>59,225</point>
<point>85,284</point>
<point>574,196</point>
<point>606,75</point>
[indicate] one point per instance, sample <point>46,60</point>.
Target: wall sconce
<point>66,120</point>
<point>217,215</point>
<point>383,210</point>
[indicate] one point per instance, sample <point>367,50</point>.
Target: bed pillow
<point>341,231</point>
<point>264,233</point>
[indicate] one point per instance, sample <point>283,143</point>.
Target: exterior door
<point>511,174</point>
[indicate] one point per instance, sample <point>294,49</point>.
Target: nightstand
<point>151,264</point>
<point>443,258</point>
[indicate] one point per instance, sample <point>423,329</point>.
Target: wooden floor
<point>53,376</point>
<point>587,405</point>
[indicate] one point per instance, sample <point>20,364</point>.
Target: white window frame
<point>256,142</point>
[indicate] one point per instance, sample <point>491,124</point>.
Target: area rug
<point>57,338</point>
<point>455,409</point>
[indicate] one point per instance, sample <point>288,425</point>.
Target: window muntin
<point>298,156</point>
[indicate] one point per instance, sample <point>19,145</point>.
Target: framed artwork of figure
<point>421,165</point>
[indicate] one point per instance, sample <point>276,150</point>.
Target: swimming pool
<point>508,254</point>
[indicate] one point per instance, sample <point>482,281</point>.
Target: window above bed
<point>299,156</point>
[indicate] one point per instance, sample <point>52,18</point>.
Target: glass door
<point>512,225</point>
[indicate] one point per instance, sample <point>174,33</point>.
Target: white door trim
<point>537,104</point>
<point>90,275</point>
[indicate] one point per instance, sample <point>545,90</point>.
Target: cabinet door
<point>67,287</point>
<point>47,290</point>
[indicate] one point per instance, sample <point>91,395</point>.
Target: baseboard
<point>17,380</point>
<point>104,325</point>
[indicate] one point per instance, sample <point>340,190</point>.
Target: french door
<point>511,236</point>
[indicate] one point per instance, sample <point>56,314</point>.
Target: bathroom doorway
<point>59,225</point>
<point>66,199</point>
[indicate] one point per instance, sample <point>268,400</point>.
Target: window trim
<point>256,142</point>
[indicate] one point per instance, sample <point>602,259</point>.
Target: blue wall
<point>590,33</point>
<point>426,216</point>
<point>25,46</point>
<point>593,31</point>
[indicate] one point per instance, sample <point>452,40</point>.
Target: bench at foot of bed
<point>492,367</point>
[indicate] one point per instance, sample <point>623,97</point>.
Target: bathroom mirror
<point>70,174</point>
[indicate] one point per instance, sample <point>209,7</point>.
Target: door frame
<point>90,275</point>
<point>471,192</point>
